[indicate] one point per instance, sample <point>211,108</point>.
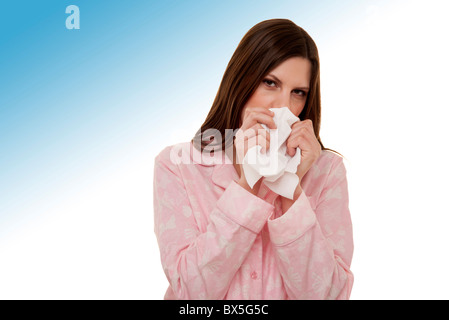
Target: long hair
<point>263,48</point>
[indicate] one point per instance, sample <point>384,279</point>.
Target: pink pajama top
<point>219,241</point>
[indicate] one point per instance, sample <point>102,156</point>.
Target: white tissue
<point>276,166</point>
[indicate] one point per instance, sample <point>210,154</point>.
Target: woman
<point>221,239</point>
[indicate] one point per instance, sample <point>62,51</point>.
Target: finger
<point>300,139</point>
<point>291,151</point>
<point>259,130</point>
<point>258,117</point>
<point>247,111</point>
<point>308,124</point>
<point>256,135</point>
<point>262,138</point>
<point>263,142</point>
<point>258,109</point>
<point>252,131</point>
<point>252,142</point>
<point>303,131</point>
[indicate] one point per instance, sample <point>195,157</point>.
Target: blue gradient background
<point>78,107</point>
<point>74,100</point>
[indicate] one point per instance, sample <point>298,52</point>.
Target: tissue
<point>277,168</point>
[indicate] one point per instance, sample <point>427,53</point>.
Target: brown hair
<point>263,48</point>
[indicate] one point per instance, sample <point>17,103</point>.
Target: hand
<point>251,133</point>
<point>303,136</point>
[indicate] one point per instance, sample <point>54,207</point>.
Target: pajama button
<point>254,275</point>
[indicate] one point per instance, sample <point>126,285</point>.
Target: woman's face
<point>286,85</point>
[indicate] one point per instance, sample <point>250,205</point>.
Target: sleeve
<point>201,265</point>
<point>314,248</point>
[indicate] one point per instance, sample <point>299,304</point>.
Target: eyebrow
<point>277,79</point>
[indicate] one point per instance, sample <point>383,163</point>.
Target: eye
<point>269,82</point>
<point>300,93</point>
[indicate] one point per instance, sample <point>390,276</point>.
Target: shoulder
<point>328,167</point>
<point>177,162</point>
<point>182,157</point>
<point>166,161</point>
<point>172,155</point>
<point>167,166</point>
<point>185,154</point>
<point>329,159</point>
<point>332,166</point>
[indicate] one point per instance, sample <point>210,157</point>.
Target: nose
<point>282,100</point>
